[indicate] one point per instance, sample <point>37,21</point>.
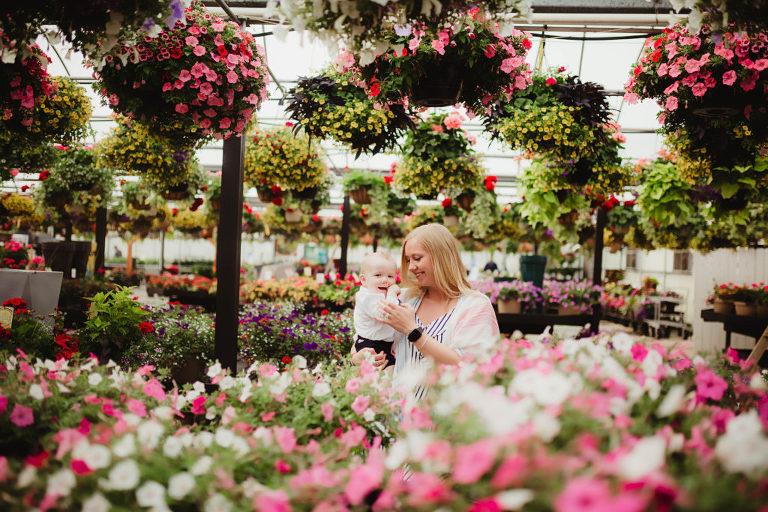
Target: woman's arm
<point>401,318</point>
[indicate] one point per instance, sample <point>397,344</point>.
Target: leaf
<point>729,189</point>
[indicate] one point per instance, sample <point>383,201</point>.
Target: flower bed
<point>606,421</point>
<point>581,295</point>
<point>205,77</point>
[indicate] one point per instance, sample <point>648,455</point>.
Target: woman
<point>440,317</point>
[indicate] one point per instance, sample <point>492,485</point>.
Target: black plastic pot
<point>532,268</point>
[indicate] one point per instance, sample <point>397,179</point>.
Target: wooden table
<point>751,326</point>
<point>535,323</point>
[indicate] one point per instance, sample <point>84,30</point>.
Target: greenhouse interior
<point>371,255</point>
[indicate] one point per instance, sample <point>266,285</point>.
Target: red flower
<point>222,50</point>
<point>286,360</point>
<point>388,180</point>
<point>324,312</point>
<point>277,201</point>
<point>551,81</point>
<point>315,218</point>
<point>447,203</point>
<point>288,124</point>
<point>44,175</point>
<point>146,327</point>
<point>375,90</point>
<point>16,303</point>
<point>490,186</point>
<point>24,188</point>
<point>175,211</point>
<point>629,203</point>
<point>276,190</point>
<point>527,44</point>
<point>176,53</point>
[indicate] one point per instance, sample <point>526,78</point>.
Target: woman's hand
<point>400,317</point>
<point>379,358</point>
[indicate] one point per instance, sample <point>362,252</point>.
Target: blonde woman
<point>440,317</point>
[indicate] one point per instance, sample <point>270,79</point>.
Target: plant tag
<point>6,317</point>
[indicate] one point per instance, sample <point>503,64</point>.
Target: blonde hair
<point>449,272</point>
<point>368,258</point>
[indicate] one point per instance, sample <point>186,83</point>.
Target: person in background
<point>440,317</point>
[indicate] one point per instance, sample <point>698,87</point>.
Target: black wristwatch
<point>415,334</point>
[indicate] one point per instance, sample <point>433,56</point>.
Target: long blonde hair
<point>443,248</point>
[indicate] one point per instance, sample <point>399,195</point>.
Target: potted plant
<point>190,222</point>
<point>332,106</point>
<point>572,297</point>
<point>279,158</point>
<point>204,77</point>
<point>135,195</point>
<point>361,185</point>
<point>744,301</point>
<point>723,297</point>
<point>430,63</point>
<point>424,215</point>
<point>438,158</point>
<point>213,193</point>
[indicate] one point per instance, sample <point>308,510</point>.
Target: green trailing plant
<point>664,198</point>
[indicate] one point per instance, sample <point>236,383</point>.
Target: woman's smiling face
<point>419,263</point>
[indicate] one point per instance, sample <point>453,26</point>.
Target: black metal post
<point>101,238</point>
<point>162,251</point>
<point>597,271</point>
<point>344,236</point>
<point>228,253</point>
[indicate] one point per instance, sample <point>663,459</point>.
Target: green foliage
<point>113,323</point>
<point>663,196</point>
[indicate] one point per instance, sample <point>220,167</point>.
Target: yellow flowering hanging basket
<point>277,157</point>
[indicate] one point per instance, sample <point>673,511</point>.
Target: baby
<point>377,275</point>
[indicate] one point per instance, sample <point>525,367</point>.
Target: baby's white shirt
<point>365,314</point>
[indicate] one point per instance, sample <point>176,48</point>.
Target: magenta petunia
<point>709,385</point>
<point>22,416</point>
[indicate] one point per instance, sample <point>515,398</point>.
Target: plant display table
<point>536,323</point>
<point>747,325</point>
<point>665,316</point>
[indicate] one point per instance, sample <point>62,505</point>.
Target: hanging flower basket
<point>292,216</point>
<point>438,158</point>
<point>206,77</point>
<point>334,106</point>
<point>277,157</point>
<point>360,195</point>
<point>265,194</point>
<point>307,193</point>
<point>439,86</point>
<point>464,61</point>
<point>177,193</point>
<point>465,200</point>
<point>24,83</point>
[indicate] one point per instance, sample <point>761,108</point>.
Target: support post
<point>344,236</point>
<point>162,251</point>
<point>228,253</point>
<point>597,272</point>
<point>101,238</point>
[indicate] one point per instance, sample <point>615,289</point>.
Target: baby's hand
<point>393,292</point>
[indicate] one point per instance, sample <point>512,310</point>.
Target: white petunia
<point>279,386</point>
<point>125,446</point>
<point>202,466</point>
<point>149,432</point>
<point>321,389</point>
<point>172,447</point>
<point>300,361</point>
<point>62,387</point>
<point>94,379</point>
<point>60,483</point>
<point>514,499</point>
<point>150,494</point>
<point>226,383</point>
<point>163,412</point>
<point>36,392</point>
<point>646,457</point>
<point>96,456</point>
<point>124,476</point>
<point>96,503</point>
<point>369,415</point>
<point>622,342</point>
<point>672,401</point>
<point>224,437</point>
<point>743,448</point>
<point>546,427</point>
<point>217,503</point>
<point>180,484</point>
<point>27,476</point>
<point>203,439</point>
<point>180,401</point>
<point>214,370</point>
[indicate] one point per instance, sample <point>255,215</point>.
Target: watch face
<point>414,335</point>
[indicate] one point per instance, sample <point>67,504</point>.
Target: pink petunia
<point>185,75</point>
<point>709,385</point>
<point>3,403</point>
<point>286,439</point>
<point>438,45</point>
<point>472,462</point>
<point>191,41</point>
<point>639,352</point>
<point>699,89</point>
<point>272,501</point>
<point>490,51</point>
<point>79,467</point>
<point>137,407</point>
<point>360,404</point>
<point>232,77</point>
<point>181,108</point>
<point>326,409</point>
<point>198,405</point>
<point>154,389</point>
<point>671,103</point>
<point>584,494</point>
<point>199,50</point>
<point>663,68</point>
<point>363,480</point>
<point>225,123</point>
<point>760,64</point>
<point>22,416</point>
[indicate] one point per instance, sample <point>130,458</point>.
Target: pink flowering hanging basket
<point>439,86</point>
<point>202,78</point>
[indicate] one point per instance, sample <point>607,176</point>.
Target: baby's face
<point>379,275</point>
